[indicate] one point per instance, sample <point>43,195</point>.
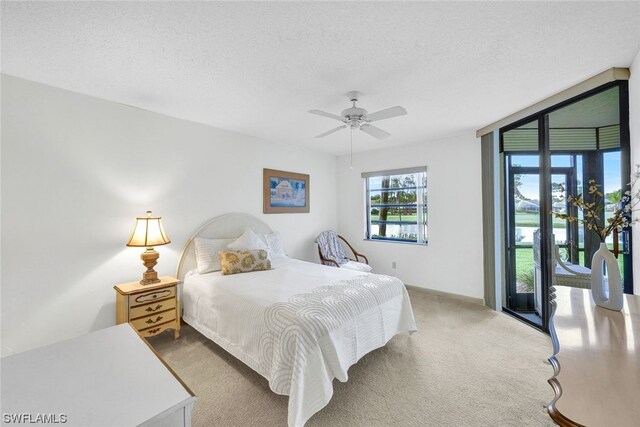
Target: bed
<point>300,324</point>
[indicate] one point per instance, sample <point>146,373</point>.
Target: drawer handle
<point>156,295</point>
<point>153,331</point>
<point>151,309</point>
<point>151,321</point>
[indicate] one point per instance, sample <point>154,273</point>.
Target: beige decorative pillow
<point>244,261</point>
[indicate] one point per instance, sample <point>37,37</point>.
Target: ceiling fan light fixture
<point>358,118</point>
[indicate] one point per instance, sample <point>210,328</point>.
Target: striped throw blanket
<point>331,248</point>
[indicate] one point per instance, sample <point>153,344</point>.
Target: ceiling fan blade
<point>374,131</point>
<point>386,113</point>
<point>329,132</point>
<point>325,114</point>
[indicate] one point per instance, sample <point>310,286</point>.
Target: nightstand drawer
<point>154,307</point>
<point>151,296</point>
<point>150,309</point>
<point>155,330</point>
<point>154,319</point>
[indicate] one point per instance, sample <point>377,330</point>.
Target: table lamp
<point>148,233</point>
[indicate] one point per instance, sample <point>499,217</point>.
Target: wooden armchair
<point>356,254</point>
<point>354,263</point>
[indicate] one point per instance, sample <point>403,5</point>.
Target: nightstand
<point>150,309</point>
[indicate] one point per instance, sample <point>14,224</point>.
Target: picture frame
<point>284,192</point>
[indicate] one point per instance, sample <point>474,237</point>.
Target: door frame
<point>526,301</point>
<point>546,225</point>
<point>516,301</point>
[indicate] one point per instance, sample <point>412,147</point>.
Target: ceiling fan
<point>358,118</point>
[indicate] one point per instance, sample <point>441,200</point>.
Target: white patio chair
<point>564,273</point>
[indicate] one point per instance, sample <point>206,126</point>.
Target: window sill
<point>397,241</point>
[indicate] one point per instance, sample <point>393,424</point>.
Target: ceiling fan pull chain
<point>351,155</point>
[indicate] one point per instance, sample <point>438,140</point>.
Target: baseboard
<point>446,294</point>
<point>6,351</point>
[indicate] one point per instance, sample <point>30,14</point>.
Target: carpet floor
<point>466,366</point>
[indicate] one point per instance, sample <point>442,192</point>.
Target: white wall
<point>452,261</point>
<point>634,128</point>
<point>77,170</point>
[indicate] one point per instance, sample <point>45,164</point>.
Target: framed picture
<point>285,192</point>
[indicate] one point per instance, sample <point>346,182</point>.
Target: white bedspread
<point>299,325</point>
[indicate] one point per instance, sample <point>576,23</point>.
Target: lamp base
<point>149,259</point>
<point>150,280</point>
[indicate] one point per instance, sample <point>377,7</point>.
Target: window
<point>397,205</point>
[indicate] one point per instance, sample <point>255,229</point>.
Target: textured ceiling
<point>256,68</point>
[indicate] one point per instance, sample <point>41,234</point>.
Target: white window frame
<point>421,204</point>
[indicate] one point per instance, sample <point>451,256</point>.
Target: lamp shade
<point>148,232</point>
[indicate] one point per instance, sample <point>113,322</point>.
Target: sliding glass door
<point>548,157</point>
<point>524,220</point>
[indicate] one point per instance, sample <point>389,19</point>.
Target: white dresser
<point>110,377</point>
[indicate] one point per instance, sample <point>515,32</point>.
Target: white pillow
<point>357,266</point>
<point>274,241</point>
<point>207,259</point>
<point>249,241</point>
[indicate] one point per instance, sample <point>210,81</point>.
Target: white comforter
<point>299,325</point>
